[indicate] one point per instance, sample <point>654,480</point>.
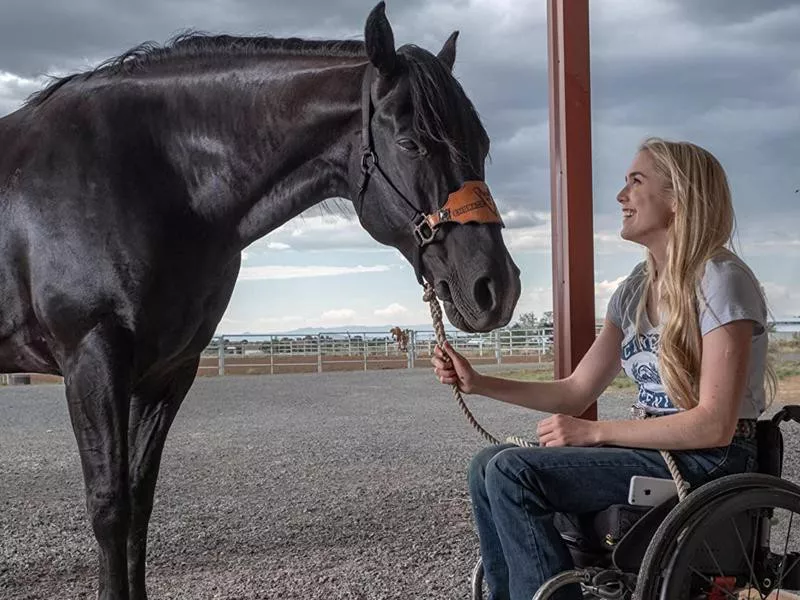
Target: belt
<point>745,428</point>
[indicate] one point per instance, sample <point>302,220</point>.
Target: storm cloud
<point>723,73</point>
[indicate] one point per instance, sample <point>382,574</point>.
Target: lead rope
<point>680,482</point>
<point>429,296</point>
<point>436,315</point>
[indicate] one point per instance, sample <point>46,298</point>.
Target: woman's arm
<point>571,395</point>
<point>712,423</point>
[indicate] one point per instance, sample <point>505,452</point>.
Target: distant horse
<point>400,337</point>
<point>127,194</point>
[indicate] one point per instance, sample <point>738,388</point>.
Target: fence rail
<point>363,351</point>
<point>340,351</point>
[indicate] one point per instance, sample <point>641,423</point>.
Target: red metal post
<point>571,184</point>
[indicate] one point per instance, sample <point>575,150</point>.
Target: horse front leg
<point>97,379</point>
<point>152,413</point>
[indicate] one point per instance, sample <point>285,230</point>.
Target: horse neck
<point>263,151</point>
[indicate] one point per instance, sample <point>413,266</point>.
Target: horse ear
<point>380,40</point>
<point>448,52</point>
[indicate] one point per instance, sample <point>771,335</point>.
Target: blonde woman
<point>688,325</point>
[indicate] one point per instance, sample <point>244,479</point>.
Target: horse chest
<point>182,319</point>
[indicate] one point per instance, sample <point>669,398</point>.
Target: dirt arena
<point>330,486</point>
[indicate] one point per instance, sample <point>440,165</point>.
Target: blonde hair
<point>702,229</point>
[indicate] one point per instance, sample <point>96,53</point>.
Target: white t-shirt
<point>731,292</point>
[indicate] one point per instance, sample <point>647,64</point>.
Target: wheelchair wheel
<point>477,580</point>
<point>737,533</point>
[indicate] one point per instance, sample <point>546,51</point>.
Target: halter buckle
<point>423,232</point>
<point>369,155</point>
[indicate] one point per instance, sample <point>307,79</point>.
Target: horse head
<point>419,176</point>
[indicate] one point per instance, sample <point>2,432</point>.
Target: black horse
<point>128,193</point>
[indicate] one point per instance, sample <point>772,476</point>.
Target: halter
<point>472,203</point>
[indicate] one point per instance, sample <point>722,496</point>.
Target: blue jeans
<point>516,491</point>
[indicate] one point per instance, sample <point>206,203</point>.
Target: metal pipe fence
<point>348,351</point>
<point>372,350</point>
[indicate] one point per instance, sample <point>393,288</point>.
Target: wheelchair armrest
<point>790,412</point>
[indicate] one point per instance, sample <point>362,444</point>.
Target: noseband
<point>472,203</point>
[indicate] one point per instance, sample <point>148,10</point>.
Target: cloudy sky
<point>722,73</point>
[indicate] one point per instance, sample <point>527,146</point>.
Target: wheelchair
<point>737,537</point>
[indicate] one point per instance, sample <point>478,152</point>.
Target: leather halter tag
<point>472,203</point>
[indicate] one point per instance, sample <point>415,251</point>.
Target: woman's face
<point>647,208</point>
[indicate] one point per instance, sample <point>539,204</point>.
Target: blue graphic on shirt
<point>640,343</point>
<point>654,399</point>
<point>646,373</point>
<point>640,361</point>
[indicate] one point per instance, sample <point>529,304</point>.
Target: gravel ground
<point>340,485</point>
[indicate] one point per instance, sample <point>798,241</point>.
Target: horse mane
<point>443,113</point>
<point>441,108</point>
<point>194,44</point>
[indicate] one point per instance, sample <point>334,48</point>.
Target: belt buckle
<point>746,428</point>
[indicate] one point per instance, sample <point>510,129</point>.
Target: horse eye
<point>409,145</point>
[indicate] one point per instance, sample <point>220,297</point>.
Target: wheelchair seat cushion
<point>611,524</point>
<point>577,530</point>
<point>591,537</point>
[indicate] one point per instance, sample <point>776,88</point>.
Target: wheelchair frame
<point>638,557</point>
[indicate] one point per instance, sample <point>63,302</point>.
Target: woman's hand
<point>563,430</point>
<point>452,368</point>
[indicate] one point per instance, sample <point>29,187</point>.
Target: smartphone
<point>650,491</point>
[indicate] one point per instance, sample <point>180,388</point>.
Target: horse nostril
<point>484,294</point>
